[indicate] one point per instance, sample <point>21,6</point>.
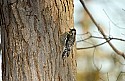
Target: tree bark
<point>31,49</point>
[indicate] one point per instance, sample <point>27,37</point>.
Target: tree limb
<point>112,38</point>
<point>101,31</point>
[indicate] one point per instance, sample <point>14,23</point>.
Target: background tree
<point>31,32</point>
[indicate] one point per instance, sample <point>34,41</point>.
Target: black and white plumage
<point>68,40</point>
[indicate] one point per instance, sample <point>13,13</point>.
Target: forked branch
<point>101,31</point>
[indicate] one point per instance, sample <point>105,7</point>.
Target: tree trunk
<point>31,49</point>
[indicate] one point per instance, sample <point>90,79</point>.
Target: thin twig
<point>109,38</point>
<point>98,69</point>
<point>101,31</point>
<point>93,45</point>
<point>84,39</point>
<point>112,21</point>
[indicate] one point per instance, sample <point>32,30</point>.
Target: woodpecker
<point>68,39</point>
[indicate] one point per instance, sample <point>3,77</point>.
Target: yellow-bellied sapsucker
<point>68,39</point>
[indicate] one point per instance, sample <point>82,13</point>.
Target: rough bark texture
<point>31,32</point>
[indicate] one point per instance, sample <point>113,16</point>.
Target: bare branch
<point>112,38</point>
<point>94,45</point>
<point>84,39</point>
<point>109,38</point>
<point>101,31</point>
<point>119,75</point>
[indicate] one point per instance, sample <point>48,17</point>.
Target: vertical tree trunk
<point>31,32</point>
